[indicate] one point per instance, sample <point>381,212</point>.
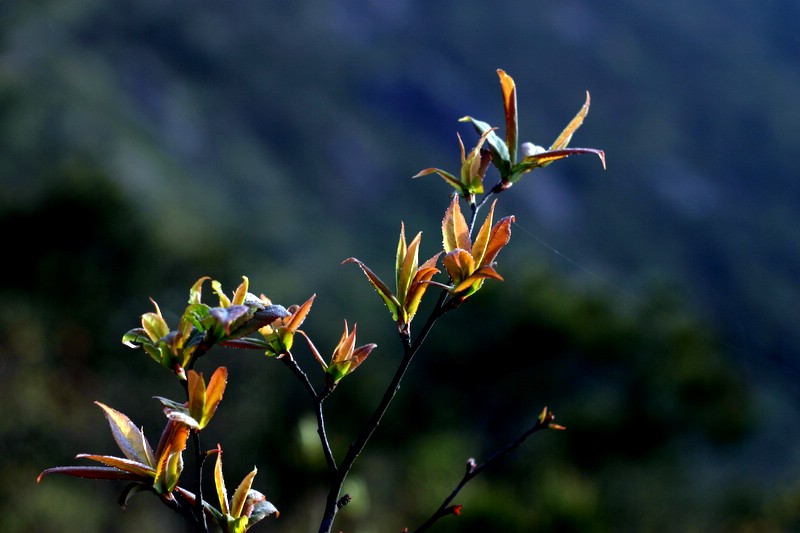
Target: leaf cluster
<point>246,321</point>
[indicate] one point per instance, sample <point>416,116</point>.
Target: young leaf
<point>128,437</point>
<point>510,107</point>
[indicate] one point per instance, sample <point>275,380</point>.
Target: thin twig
<point>472,469</point>
<point>409,350</point>
<point>318,398</point>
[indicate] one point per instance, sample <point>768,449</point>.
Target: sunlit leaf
<point>510,106</point>
<point>482,240</point>
<point>219,483</point>
<point>239,496</point>
<point>408,268</point>
<point>196,392</point>
<point>563,139</point>
<point>459,264</point>
<point>449,178</point>
<point>154,324</point>
<point>216,388</point>
<point>134,467</point>
<point>128,437</point>
<point>196,292</point>
<point>400,256</point>
<point>500,154</point>
<point>419,285</point>
<point>169,462</point>
<point>298,316</point>
<point>498,238</point>
<point>224,301</point>
<point>383,291</point>
<point>455,233</point>
<point>240,294</point>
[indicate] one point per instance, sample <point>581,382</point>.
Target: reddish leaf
<point>510,107</point>
<point>91,472</point>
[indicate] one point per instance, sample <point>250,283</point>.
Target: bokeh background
<point>652,306</point>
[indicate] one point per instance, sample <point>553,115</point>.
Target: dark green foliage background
<point>651,306</point>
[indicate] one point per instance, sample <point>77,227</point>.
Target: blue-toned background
<point>652,306</point>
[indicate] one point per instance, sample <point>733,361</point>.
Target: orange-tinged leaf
<point>345,347</point>
<point>170,463</point>
<point>296,319</point>
<point>134,467</point>
<point>455,233</point>
<point>173,439</point>
<point>482,240</point>
<point>459,264</point>
<point>128,437</point>
<point>239,497</point>
<point>409,268</point>
<point>196,391</point>
<point>216,388</point>
<point>219,483</point>
<point>510,106</point>
<point>420,285</point>
<point>499,237</point>
<point>477,276</point>
<point>563,140</point>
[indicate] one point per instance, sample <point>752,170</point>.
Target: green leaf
<point>135,338</point>
<point>497,146</point>
<point>196,292</point>
<point>155,326</point>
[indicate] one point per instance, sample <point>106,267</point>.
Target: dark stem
<point>197,512</point>
<point>473,470</point>
<point>318,399</point>
<point>409,350</point>
<point>200,458</point>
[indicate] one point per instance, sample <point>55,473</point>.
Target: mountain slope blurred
<point>274,140</point>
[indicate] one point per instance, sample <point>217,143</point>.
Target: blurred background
<point>652,306</point>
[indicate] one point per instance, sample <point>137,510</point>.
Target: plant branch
<point>409,351</point>
<point>472,469</point>
<point>318,399</point>
<point>200,458</point>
